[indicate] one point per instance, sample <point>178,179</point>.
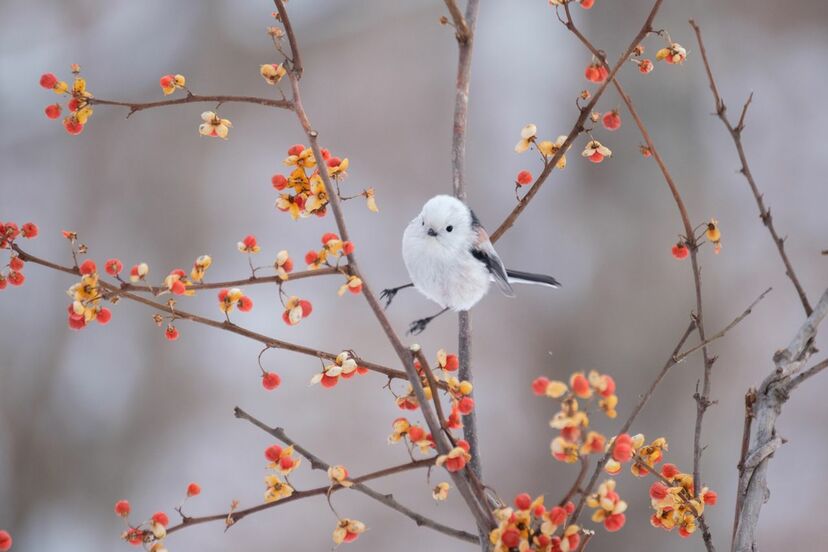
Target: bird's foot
<point>388,295</point>
<point>418,326</point>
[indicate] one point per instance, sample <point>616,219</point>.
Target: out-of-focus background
<point>87,418</point>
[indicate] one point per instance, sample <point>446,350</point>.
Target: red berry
<point>569,507</point>
<point>193,489</point>
<point>113,267</point>
<point>72,126</point>
<point>416,433</point>
<point>587,4</point>
<point>539,385</point>
<point>557,515</point>
<point>710,498</point>
<point>48,80</point>
<point>466,405</point>
<point>172,333</point>
<point>510,538</point>
<point>463,444</point>
<point>271,380</point>
<point>580,385</point>
<point>273,453</point>
<point>104,316</point>
<point>30,230</point>
<point>612,120</point>
<point>311,257</point>
<point>222,294</point>
<point>249,241</point>
<point>296,149</point>
<point>52,111</point>
<point>88,267</point>
<point>16,264</point>
<point>596,157</point>
<point>622,450</point>
<point>328,237</point>
<point>286,462</point>
<point>166,81</point>
<point>523,501</point>
<point>452,363</point>
<point>16,278</point>
<point>329,381</point>
<point>73,104</point>
<point>161,518</point>
<point>334,162</point>
<point>307,308</point>
<point>615,522</point>
<point>279,181</point>
<point>122,508</point>
<point>524,178</point>
<point>178,287</point>
<point>680,251</point>
<point>609,388</point>
<point>658,490</point>
<point>326,154</point>
<point>5,541</point>
<point>348,247</point>
<point>134,536</point>
<point>245,304</point>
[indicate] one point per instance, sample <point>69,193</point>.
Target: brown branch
<point>253,280</point>
<point>464,30</point>
<point>703,401</point>
<point>193,98</point>
<point>724,331</point>
<point>576,485</point>
<point>474,500</point>
<point>736,135</point>
<point>221,325</point>
<point>358,482</point>
<point>577,128</point>
<point>773,393</point>
<point>750,400</point>
<point>596,473</point>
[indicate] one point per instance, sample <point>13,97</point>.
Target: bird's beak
<point>432,232</point>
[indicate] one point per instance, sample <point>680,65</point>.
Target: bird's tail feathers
<point>519,277</point>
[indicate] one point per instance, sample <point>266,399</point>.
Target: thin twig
<point>474,501</point>
<point>221,325</point>
<point>193,98</point>
<point>577,128</point>
<point>736,135</point>
<point>464,34</point>
<point>358,482</point>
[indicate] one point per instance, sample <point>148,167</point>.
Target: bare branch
<point>736,135</point>
<point>221,325</point>
<point>358,482</point>
<point>771,396</point>
<point>193,98</point>
<point>464,34</point>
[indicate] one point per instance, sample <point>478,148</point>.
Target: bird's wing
<point>484,251</point>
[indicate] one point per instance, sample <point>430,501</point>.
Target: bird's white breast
<point>453,279</point>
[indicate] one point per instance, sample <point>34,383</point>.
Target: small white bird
<point>451,260</point>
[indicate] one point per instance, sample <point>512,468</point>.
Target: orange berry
<point>271,380</point>
<point>273,453</point>
<point>680,251</point>
<point>104,316</point>
<point>193,489</point>
<point>279,181</point>
<point>612,120</point>
<point>122,508</point>
<point>161,518</point>
<point>48,80</point>
<point>524,178</point>
<point>523,501</point>
<point>52,111</point>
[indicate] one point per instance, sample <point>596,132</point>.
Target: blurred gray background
<point>90,417</point>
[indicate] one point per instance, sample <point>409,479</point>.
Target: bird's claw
<point>388,295</point>
<point>418,326</point>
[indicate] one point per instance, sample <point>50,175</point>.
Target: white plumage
<point>450,258</point>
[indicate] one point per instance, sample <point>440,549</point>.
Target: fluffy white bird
<point>451,260</point>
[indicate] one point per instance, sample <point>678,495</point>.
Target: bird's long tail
<point>518,277</point>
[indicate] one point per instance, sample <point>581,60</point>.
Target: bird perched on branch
<point>451,260</point>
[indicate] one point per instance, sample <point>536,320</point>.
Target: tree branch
<point>193,98</point>
<point>771,396</point>
<point>736,135</point>
<point>221,325</point>
<point>577,128</point>
<point>358,483</point>
<point>474,501</point>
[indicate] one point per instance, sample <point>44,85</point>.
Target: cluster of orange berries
<point>303,192</point>
<point>412,434</point>
<point>713,234</point>
<point>344,366</point>
<point>13,272</point>
<point>529,526</point>
<point>86,298</point>
<point>334,248</point>
<point>574,441</point>
<point>78,104</point>
<point>673,496</point>
<point>153,531</point>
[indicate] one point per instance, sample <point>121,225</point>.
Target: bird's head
<point>447,220</point>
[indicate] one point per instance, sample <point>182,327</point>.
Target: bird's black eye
<point>449,228</point>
